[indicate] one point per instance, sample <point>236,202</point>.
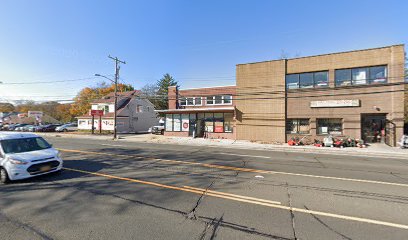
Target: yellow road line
<point>242,169</point>
<point>226,196</point>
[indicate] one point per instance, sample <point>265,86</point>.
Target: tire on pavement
<point>4,176</point>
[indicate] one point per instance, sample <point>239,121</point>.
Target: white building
<point>134,114</point>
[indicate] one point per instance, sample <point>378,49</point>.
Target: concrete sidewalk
<point>375,150</point>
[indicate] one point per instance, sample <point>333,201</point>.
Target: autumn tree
<point>163,89</point>
<point>83,100</point>
<point>6,107</point>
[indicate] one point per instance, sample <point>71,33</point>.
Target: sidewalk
<point>375,150</point>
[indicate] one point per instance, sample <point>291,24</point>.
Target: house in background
<point>134,114</point>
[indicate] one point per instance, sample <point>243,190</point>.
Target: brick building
<point>357,93</point>
<point>204,112</point>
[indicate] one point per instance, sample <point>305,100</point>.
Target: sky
<point>198,42</point>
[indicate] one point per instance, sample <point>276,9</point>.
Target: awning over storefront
<point>197,110</point>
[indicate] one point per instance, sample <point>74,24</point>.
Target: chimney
<point>173,97</point>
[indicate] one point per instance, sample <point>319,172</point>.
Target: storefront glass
<point>228,118</point>
<point>209,122</point>
<point>332,126</point>
<point>176,123</point>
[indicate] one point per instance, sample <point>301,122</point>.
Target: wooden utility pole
<point>117,68</point>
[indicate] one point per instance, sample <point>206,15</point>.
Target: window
<point>210,100</point>
<point>139,108</point>
<point>362,75</point>
<point>218,122</point>
<point>190,101</point>
<point>169,122</point>
<point>359,75</point>
<point>298,126</point>
<point>307,80</point>
<point>227,99</point>
<point>219,100</point>
<point>176,123</point>
<point>378,74</point>
<point>105,108</point>
<point>198,101</point>
<point>321,79</point>
<point>333,126</point>
<point>343,77</point>
<point>209,122</point>
<point>228,118</point>
<point>292,81</point>
<point>183,102</point>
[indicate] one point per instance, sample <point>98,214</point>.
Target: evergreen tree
<point>163,88</point>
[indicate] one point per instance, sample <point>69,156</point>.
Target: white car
<point>25,155</point>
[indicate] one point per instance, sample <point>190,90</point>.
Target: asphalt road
<point>122,190</point>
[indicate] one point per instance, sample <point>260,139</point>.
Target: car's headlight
<point>17,162</point>
<point>59,155</point>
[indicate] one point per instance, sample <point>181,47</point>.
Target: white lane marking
<point>112,145</point>
<point>339,178</point>
<point>242,155</point>
<point>233,195</point>
<point>244,169</point>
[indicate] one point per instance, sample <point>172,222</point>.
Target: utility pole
<point>117,68</point>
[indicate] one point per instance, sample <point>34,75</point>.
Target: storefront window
<point>297,126</point>
<point>185,122</point>
<point>228,121</point>
<point>218,122</point>
<point>333,126</point>
<point>209,122</point>
<point>169,122</point>
<point>176,123</point>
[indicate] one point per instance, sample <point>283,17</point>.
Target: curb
<point>281,148</point>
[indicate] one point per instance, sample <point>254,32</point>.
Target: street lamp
<point>116,103</point>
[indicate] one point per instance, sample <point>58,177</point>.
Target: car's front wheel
<point>4,176</point>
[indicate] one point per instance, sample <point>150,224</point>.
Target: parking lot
<point>119,190</point>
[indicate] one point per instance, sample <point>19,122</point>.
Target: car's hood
<point>34,155</point>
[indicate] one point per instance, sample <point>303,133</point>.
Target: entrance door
<point>373,128</point>
<point>192,125</point>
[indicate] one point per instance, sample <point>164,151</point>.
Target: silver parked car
<point>67,127</point>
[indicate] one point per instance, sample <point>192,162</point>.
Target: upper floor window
<point>190,101</point>
<point>105,108</point>
<point>307,80</point>
<point>139,108</point>
<point>359,76</point>
<point>219,100</point>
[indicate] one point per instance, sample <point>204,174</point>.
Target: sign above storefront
<point>335,103</point>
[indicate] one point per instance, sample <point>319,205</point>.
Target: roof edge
<point>325,54</point>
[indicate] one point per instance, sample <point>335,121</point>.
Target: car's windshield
<point>24,145</point>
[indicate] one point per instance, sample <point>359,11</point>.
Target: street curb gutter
<point>289,149</point>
